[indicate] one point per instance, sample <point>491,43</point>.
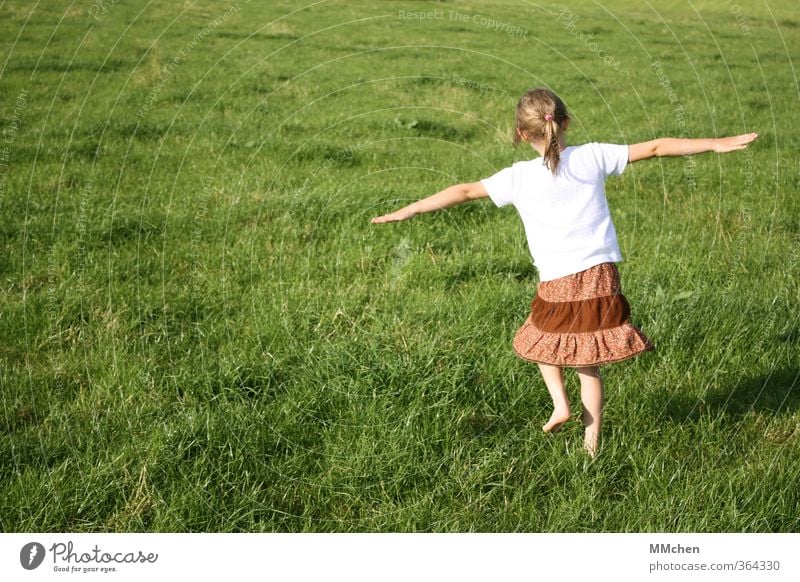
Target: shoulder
<point>584,157</point>
<point>596,148</point>
<point>608,157</point>
<point>522,170</point>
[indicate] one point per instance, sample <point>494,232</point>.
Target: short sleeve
<point>500,187</point>
<point>611,158</point>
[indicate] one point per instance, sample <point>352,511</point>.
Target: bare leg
<point>554,379</point>
<point>592,398</point>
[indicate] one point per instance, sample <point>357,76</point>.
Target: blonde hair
<point>540,115</point>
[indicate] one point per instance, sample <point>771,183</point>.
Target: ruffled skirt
<point>580,320</point>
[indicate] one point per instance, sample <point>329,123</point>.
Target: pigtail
<point>552,153</point>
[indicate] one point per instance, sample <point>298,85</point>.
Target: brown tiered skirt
<point>580,320</point>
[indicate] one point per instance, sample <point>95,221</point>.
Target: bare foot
<point>559,417</point>
<point>590,442</point>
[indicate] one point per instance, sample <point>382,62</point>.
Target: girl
<point>579,317</point>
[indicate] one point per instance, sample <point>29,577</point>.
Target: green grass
<point>201,331</point>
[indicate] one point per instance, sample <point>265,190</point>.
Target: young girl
<point>579,317</point>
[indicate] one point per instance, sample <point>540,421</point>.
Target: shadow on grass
<point>777,392</point>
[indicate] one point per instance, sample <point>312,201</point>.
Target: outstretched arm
<point>670,146</point>
<point>444,199</point>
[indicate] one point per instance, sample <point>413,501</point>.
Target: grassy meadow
<point>201,330</point>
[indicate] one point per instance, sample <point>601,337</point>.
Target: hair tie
<point>548,116</point>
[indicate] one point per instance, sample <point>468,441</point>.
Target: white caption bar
<point>396,557</point>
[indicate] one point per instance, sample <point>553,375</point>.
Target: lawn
<point>202,331</point>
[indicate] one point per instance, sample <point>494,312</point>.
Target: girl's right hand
<point>737,142</point>
<point>397,215</point>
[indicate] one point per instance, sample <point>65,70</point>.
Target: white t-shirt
<point>566,216</point>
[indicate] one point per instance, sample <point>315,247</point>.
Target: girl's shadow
<point>777,392</point>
